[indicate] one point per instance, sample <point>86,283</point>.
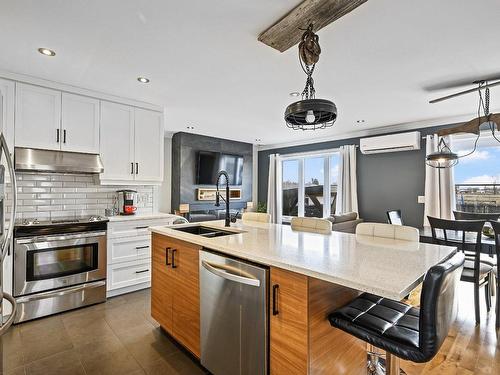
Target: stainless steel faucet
<point>226,200</point>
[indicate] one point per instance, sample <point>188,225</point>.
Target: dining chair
<point>260,217</point>
<point>496,229</point>
<point>392,231</point>
<point>311,224</point>
<point>461,215</point>
<point>394,217</point>
<point>475,271</point>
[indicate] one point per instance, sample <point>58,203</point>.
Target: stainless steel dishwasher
<point>234,319</point>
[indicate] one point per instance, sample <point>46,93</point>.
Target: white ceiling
<point>209,71</point>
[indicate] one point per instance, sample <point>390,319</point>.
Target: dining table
<point>487,243</point>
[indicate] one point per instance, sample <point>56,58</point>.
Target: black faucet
<point>218,196</point>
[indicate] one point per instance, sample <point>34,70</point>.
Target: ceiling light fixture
<point>491,120</point>
<point>294,94</point>
<point>190,127</point>
<point>360,121</point>
<point>258,140</point>
<point>46,52</point>
<point>143,79</point>
<point>443,158</point>
<point>310,113</point>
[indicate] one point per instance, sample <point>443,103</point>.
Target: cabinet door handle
<point>275,299</point>
<point>144,227</point>
<point>131,168</point>
<point>173,258</point>
<point>141,247</point>
<point>136,168</point>
<point>142,271</point>
<point>167,251</point>
<point>57,135</point>
<point>64,136</point>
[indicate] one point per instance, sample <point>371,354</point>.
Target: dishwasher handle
<point>225,272</point>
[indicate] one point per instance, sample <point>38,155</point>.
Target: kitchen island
<point>312,274</point>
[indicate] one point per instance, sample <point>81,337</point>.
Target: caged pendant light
<point>310,113</point>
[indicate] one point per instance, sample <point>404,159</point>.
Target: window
<point>309,184</point>
<point>477,176</point>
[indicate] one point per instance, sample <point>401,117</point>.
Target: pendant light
<point>443,158</point>
<point>310,113</point>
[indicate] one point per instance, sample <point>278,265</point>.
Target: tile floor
<point>120,337</point>
<point>116,337</point>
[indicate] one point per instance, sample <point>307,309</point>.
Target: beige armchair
<point>311,224</point>
<point>396,232</point>
<point>260,217</point>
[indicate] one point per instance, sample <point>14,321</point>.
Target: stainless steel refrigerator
<point>6,226</point>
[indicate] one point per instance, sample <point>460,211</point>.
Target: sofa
<point>346,223</point>
<point>208,215</point>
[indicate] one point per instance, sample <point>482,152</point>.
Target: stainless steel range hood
<point>31,160</point>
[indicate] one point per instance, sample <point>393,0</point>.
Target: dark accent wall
<point>385,181</point>
<point>185,147</point>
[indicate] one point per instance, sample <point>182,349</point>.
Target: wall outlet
<point>421,199</point>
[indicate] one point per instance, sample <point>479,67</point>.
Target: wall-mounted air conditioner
<point>390,143</point>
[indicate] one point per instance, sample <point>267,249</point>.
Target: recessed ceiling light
<point>295,94</point>
<point>190,127</point>
<point>46,52</point>
<point>258,140</point>
<point>360,121</point>
<point>143,79</point>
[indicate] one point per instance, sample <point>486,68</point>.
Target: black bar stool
<point>401,330</point>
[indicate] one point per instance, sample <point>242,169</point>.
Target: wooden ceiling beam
<point>288,31</point>
<point>472,126</point>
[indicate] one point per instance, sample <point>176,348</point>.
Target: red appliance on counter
<point>127,202</point>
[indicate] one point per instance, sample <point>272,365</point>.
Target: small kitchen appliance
<point>127,202</point>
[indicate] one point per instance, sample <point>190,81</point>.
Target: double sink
<point>203,231</point>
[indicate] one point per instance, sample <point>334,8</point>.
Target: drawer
<point>129,249</point>
<point>134,228</point>
<point>122,275</point>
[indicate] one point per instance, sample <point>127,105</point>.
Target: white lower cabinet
<point>126,276</point>
<point>129,254</point>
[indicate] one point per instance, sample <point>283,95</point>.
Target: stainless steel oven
<point>51,262</point>
<point>58,266</point>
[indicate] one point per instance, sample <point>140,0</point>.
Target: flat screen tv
<point>210,163</point>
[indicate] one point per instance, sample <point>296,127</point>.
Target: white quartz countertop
<point>157,215</point>
<point>386,267</point>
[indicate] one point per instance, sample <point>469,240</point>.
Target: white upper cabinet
<point>80,124</point>
<point>117,142</point>
<point>38,117</point>
<point>131,144</point>
<point>148,145</point>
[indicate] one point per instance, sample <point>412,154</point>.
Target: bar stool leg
<point>392,364</point>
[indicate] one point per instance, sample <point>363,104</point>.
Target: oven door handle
<point>60,293</point>
<point>36,239</point>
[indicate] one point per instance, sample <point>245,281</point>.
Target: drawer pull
<point>145,227</point>
<point>275,299</point>
<point>142,271</point>
<point>167,252</point>
<point>142,247</point>
<point>173,258</point>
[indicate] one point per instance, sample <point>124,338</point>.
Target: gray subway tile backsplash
<point>52,195</point>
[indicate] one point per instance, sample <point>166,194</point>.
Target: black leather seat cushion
<point>385,323</point>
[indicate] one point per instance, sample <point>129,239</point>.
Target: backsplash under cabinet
<point>53,195</point>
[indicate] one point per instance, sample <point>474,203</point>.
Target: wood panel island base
<point>310,275</point>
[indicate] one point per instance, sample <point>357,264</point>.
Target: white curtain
<point>274,189</point>
<point>347,185</point>
<point>439,186</point>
